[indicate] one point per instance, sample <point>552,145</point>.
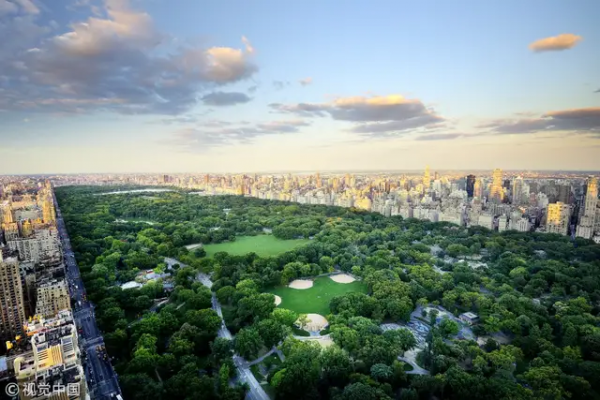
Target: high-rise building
<point>587,222</point>
<point>563,192</point>
<point>470,185</point>
<point>12,304</point>
<point>557,218</point>
<point>517,190</point>
<point>54,363</point>
<point>426,179</point>
<point>478,189</point>
<point>6,214</point>
<point>49,215</point>
<point>496,190</point>
<point>52,297</point>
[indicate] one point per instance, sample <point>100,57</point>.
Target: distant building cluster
<point>39,337</point>
<point>562,203</point>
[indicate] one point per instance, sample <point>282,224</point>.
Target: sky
<point>251,86</point>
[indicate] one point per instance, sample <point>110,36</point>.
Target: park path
<point>256,392</point>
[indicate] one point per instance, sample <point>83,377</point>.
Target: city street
<point>101,378</point>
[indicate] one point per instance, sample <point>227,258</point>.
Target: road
<point>255,392</point>
<point>100,375</point>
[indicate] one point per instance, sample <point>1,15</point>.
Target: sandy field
<point>342,278</point>
<point>301,284</point>
<point>277,300</point>
<point>316,323</point>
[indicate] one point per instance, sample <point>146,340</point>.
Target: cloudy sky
<point>230,86</point>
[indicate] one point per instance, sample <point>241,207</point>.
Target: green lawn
<point>316,299</point>
<point>263,245</point>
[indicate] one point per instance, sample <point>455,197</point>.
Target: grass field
<point>316,299</point>
<point>263,245</point>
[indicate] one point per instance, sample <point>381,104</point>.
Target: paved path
<point>280,354</point>
<point>416,369</point>
<point>312,337</point>
<point>256,392</point>
<point>259,359</point>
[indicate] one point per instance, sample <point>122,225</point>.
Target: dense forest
<point>539,291</point>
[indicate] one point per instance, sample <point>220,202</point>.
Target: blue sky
<point>232,86</point>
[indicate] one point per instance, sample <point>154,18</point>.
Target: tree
<point>221,349</point>
<point>247,342</point>
<point>180,346</point>
<point>142,303</point>
<point>399,309</point>
<point>345,337</point>
<point>360,391</point>
<point>284,316</point>
<point>336,365</point>
<point>545,381</point>
<point>302,371</point>
<point>140,386</point>
<point>492,324</point>
<point>207,320</point>
<point>433,313</point>
<point>303,320</point>
<point>271,332</point>
<point>448,327</point>
<point>409,394</point>
<point>381,372</point>
<point>400,340</point>
<point>256,307</point>
<point>199,252</point>
<point>454,250</point>
<point>225,294</point>
<point>224,376</point>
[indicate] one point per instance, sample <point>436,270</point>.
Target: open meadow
<point>316,299</point>
<point>263,245</point>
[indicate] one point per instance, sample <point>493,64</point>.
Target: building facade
<point>12,304</point>
<point>52,297</point>
<point>557,219</point>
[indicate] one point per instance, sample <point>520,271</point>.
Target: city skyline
<point>120,86</point>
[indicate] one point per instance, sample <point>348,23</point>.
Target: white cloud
<point>121,57</point>
<point>555,43</point>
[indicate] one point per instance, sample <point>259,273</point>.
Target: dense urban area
<point>301,286</point>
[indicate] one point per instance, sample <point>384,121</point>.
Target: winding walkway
<point>416,369</point>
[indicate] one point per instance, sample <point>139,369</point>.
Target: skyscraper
<point>426,178</point>
<point>587,222</point>
<point>496,191</point>
<point>470,185</point>
<point>12,304</point>
<point>517,190</point>
<point>478,189</point>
